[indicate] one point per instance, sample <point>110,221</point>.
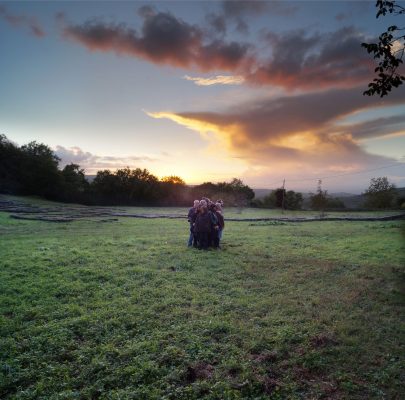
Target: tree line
<point>33,169</point>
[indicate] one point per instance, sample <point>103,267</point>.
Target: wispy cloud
<point>92,163</point>
<point>22,21</point>
<point>216,80</point>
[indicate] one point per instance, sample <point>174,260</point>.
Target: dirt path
<point>68,213</point>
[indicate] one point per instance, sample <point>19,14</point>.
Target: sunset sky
<point>208,91</point>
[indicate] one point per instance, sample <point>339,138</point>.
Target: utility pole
<point>282,201</point>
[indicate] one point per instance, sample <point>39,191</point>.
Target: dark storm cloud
<point>164,39</point>
<point>22,21</point>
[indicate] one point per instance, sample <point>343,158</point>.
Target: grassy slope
<point>123,310</point>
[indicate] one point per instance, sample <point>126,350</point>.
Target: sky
<point>265,91</point>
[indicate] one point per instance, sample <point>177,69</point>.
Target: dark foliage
<point>389,51</point>
<point>321,201</point>
<point>380,194</point>
<point>32,169</point>
<point>235,193</point>
<point>280,198</point>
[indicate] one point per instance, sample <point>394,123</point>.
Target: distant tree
<point>293,200</point>
<point>173,191</point>
<point>39,170</point>
<point>380,194</point>
<point>175,180</point>
<point>389,50</point>
<point>319,200</point>
<point>10,167</point>
<point>280,195</point>
<point>242,193</point>
<point>270,201</point>
<point>74,183</point>
<point>334,203</point>
<point>234,193</point>
<point>126,186</point>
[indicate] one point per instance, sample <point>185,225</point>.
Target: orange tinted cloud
<point>297,130</point>
<point>216,80</point>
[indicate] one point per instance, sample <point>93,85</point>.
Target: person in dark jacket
<point>202,227</point>
<point>214,225</point>
<point>220,224</point>
<point>192,215</point>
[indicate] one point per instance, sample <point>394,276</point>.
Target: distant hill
<point>260,193</point>
<point>350,200</point>
<point>90,178</point>
<point>342,194</point>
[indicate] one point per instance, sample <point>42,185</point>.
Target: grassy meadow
<point>122,309</point>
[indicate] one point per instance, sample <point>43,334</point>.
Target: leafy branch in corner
<point>389,51</point>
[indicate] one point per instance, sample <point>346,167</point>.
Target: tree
<point>319,200</point>
<point>380,194</point>
<point>74,183</point>
<point>173,191</point>
<point>10,167</point>
<point>173,179</point>
<point>39,170</point>
<point>389,50</point>
<point>293,200</point>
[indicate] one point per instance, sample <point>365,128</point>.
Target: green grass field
<point>124,310</point>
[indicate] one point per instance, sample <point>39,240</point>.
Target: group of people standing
<point>206,224</point>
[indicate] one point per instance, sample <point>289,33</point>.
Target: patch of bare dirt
<point>323,340</point>
<point>199,371</point>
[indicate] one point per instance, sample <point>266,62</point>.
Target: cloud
<point>92,163</point>
<point>325,60</point>
<point>296,131</point>
<point>238,11</point>
<point>164,39</point>
<point>376,128</point>
<point>243,8</point>
<point>296,60</point>
<point>22,21</point>
<point>216,80</point>
<point>217,22</point>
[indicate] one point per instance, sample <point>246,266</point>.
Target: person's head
<point>196,203</point>
<point>221,202</point>
<point>203,203</point>
<point>218,207</point>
